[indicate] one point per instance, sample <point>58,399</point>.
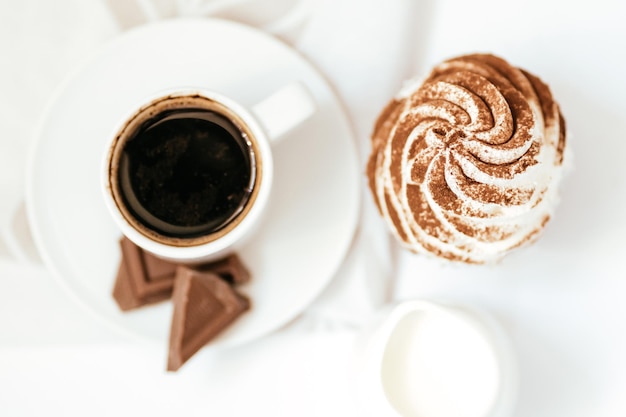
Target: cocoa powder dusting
<point>461,147</point>
<point>382,130</point>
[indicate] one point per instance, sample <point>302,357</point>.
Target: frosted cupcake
<point>465,164</point>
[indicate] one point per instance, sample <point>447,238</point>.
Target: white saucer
<point>314,208</point>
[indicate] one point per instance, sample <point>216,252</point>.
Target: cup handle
<point>284,110</point>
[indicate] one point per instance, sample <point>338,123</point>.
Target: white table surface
<point>561,301</point>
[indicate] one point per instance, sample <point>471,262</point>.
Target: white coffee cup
<point>255,131</point>
<point>420,358</point>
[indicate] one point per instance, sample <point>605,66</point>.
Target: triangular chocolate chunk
<point>142,278</point>
<point>148,274</point>
<point>204,305</point>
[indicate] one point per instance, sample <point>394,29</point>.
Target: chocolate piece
<point>204,305</point>
<point>158,269</point>
<point>229,268</point>
<point>142,278</point>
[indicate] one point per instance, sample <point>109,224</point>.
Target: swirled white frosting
<point>465,165</point>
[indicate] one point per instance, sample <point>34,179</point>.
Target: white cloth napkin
<point>357,42</point>
<point>40,43</point>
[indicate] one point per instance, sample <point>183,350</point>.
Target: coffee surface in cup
<point>186,172</point>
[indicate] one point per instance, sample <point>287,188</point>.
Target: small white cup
<point>422,358</point>
<point>260,128</point>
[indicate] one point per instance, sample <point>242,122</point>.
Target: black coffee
<point>186,173</point>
